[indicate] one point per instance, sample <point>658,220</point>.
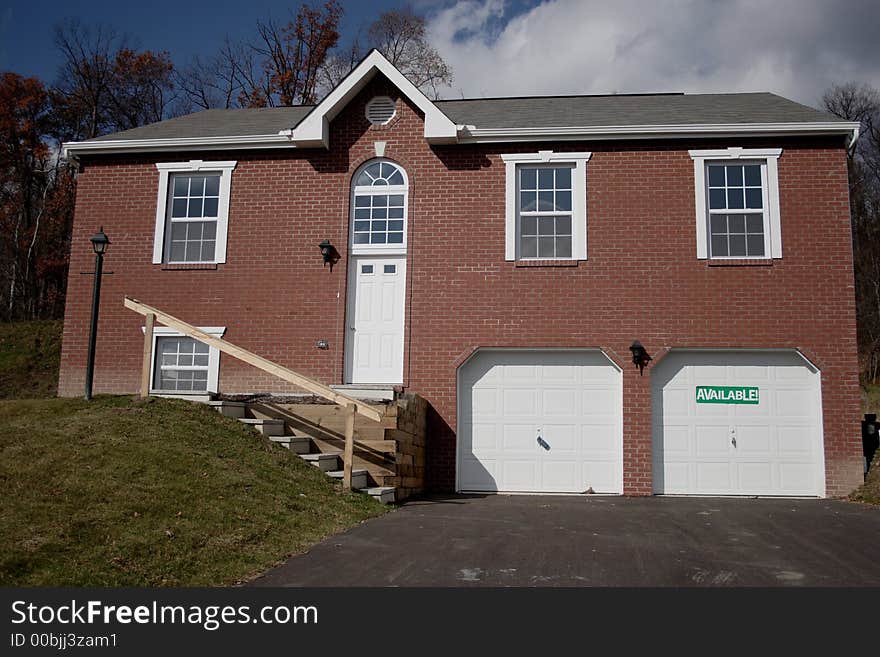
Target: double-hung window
<point>192,212</point>
<point>546,217</point>
<point>737,202</point>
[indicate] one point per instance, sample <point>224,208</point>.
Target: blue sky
<point>796,48</point>
<point>183,28</point>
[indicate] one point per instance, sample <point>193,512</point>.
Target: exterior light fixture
<point>328,253</point>
<point>640,356</point>
<point>100,242</point>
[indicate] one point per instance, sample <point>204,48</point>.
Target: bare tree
<point>104,85</point>
<point>293,56</point>
<point>217,81</point>
<point>401,36</point>
<point>860,102</point>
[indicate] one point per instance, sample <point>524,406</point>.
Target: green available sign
<point>727,395</point>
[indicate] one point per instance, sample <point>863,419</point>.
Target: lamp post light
<point>100,242</point>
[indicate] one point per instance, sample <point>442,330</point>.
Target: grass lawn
<point>128,492</point>
<point>29,356</point>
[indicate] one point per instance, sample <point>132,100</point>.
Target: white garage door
<point>737,423</point>
<point>540,421</point>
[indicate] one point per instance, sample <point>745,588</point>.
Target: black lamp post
<point>100,242</point>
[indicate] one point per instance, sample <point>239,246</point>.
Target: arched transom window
<point>380,202</point>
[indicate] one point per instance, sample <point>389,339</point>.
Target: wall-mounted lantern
<point>640,356</point>
<point>328,253</point>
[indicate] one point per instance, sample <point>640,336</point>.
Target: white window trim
<point>213,358</point>
<point>578,200</point>
<point>379,249</point>
<point>193,166</point>
<point>771,203</point>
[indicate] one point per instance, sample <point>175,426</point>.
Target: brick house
<point>499,257</point>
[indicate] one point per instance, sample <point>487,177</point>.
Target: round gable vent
<point>380,110</point>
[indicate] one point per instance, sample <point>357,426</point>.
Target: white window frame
<point>386,190</point>
<point>578,162</point>
<point>768,158</point>
<point>193,166</point>
<point>213,359</point>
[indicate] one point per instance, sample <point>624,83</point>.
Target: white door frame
<point>480,350</point>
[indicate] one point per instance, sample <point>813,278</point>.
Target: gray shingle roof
<point>219,123</point>
<point>525,112</point>
<point>623,110</point>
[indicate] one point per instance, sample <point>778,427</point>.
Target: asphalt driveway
<point>512,540</point>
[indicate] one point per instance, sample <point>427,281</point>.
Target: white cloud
<point>796,48</point>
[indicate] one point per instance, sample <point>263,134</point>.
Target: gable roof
<point>529,118</point>
<point>314,129</point>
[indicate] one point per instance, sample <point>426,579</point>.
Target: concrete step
<point>358,477</point>
<point>325,462</point>
<point>265,426</point>
<point>229,408</point>
<point>383,494</point>
<point>296,444</point>
<point>366,392</point>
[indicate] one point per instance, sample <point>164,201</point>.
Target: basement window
<point>192,212</point>
<point>184,365</point>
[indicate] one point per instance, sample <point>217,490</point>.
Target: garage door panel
<point>599,476</point>
<point>792,403</point>
<point>518,437</point>
<point>519,475</point>
<point>484,436</point>
<point>711,441</point>
<point>559,374</point>
<point>677,441</point>
<point>676,403</point>
<point>795,477</point>
<point>559,402</point>
<point>560,476</point>
<point>572,399</point>
<point>486,402</point>
<point>599,439</point>
<point>756,477</point>
<point>795,442</point>
<point>751,372</point>
<point>561,438</point>
<point>519,401</point>
<point>713,477</point>
<point>778,442</point>
<point>600,401</point>
<point>754,441</point>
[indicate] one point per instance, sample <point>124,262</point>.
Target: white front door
<point>737,423</point>
<point>376,303</point>
<point>540,421</point>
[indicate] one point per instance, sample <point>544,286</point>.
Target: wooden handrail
<point>284,373</point>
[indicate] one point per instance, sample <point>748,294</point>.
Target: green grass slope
<point>30,353</point>
<point>123,492</point>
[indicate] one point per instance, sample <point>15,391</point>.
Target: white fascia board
<point>314,129</point>
<point>473,135</point>
<point>76,148</point>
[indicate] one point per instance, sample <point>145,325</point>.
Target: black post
<point>93,331</point>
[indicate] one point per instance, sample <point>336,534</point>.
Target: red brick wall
<point>642,279</point>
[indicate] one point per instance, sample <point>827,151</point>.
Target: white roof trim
<point>471,134</point>
<point>75,148</point>
<point>314,129</point>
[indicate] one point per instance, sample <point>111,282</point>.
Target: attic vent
<point>380,110</point>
